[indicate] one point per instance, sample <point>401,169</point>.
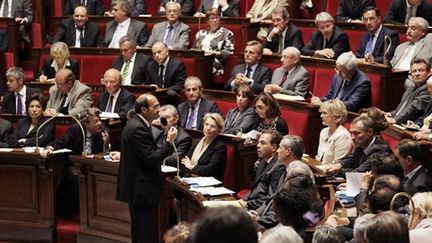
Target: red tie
<point>284,78</point>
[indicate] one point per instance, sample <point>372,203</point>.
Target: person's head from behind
<point>179,233</point>
<point>15,79</point>
<point>387,227</point>
<point>65,80</point>
<point>266,106</point>
<point>333,112</point>
<point>360,225</point>
<point>290,204</point>
<point>346,65</point>
<point>379,200</point>
<point>90,118</point>
<point>60,53</point>
<point>388,181</point>
<point>268,143</point>
<point>377,116</point>
<point>281,234</point>
<point>224,224</point>
<point>298,167</point>
<point>327,234</point>
<point>193,89</point>
<point>385,164</point>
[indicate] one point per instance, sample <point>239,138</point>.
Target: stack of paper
<point>212,191</point>
<point>201,181</point>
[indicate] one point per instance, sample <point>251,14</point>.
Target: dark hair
<point>408,147</point>
<point>212,11</point>
<point>377,117</point>
<point>372,8</point>
<point>140,103</point>
<point>388,181</point>
<point>387,227</point>
<point>275,136</point>
<point>39,97</point>
<point>379,200</point>
<point>290,204</point>
<point>418,60</point>
<point>270,102</point>
<point>90,112</point>
<point>247,90</point>
<point>386,163</point>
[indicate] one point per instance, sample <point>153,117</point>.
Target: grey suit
<point>423,50</point>
<point>297,82</point>
<point>137,30</point>
<point>180,36</point>
<point>243,123</point>
<point>80,98</point>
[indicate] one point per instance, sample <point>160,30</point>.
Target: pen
<point>310,92</point>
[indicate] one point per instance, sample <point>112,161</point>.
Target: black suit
<point>397,12</point>
<point>206,106</point>
<point>3,41</point>
<point>175,75</point>
<point>124,103</point>
<point>293,37</point>
<point>427,112</point>
<point>233,9</point>
<point>183,142</point>
<point>211,162</point>
<point>5,132</point>
<point>421,181</point>
<point>338,42</point>
<point>139,181</point>
<point>9,100</point>
<point>50,71</point>
<point>46,133</point>
<point>140,65</point>
<point>94,7</point>
<point>378,50</point>
<point>261,76</point>
<point>187,7</point>
<point>66,32</point>
<point>352,9</point>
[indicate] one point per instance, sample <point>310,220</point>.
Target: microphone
<point>387,45</point>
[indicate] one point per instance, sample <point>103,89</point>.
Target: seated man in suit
<point>123,25</point>
<point>193,110</point>
<point>372,43</point>
<point>5,132</point>
<point>268,170</point>
<point>366,145</point>
<point>138,7</point>
<point>328,41</point>
<point>78,31</point>
<point>252,72</point>
<point>172,32</point>
<point>349,84</point>
<point>166,72</point>
<point>186,6</point>
<point>401,11</point>
<point>351,11</point>
<point>228,8</point>
<point>68,96</point>
<point>416,98</point>
<point>283,34</point>
<point>14,101</point>
<point>94,7</point>
<point>291,78</point>
<point>115,98</point>
<point>131,64</point>
<point>22,11</point>
<point>417,178</point>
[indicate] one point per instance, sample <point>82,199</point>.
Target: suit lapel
<point>257,72</point>
<point>419,47</point>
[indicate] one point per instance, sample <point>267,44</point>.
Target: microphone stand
<point>387,45</point>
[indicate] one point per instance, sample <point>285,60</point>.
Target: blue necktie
<point>168,37</point>
<point>369,45</point>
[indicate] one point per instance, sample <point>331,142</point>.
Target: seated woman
<point>215,40</point>
<point>268,111</point>
<point>243,118</point>
<point>261,12</point>
<point>24,133</point>
<point>421,216</point>
<point>208,155</point>
<point>59,59</point>
<point>335,140</point>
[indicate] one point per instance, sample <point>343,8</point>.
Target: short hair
<point>348,60</point>
<point>365,121</point>
<point>379,199</point>
<point>179,232</point>
<point>169,108</point>
<point>283,11</point>
<point>69,75</point>
<point>408,147</point>
<point>60,48</point>
<point>173,3</point>
<point>424,25</point>
<point>247,91</point>
<point>141,102</point>
<point>388,181</point>
<point>418,60</point>
<point>16,73</point>
<point>271,102</point>
<point>224,224</point>
<point>275,136</point>
<point>372,8</point>
<point>123,5</point>
<point>295,144</point>
<point>194,79</point>
<point>39,97</point>
<point>323,17</point>
<point>386,163</point>
<point>298,167</point>
<point>87,114</point>
<point>215,117</point>
<point>132,41</point>
<point>281,234</point>
<point>290,204</point>
<point>360,224</point>
<point>387,227</point>
<point>257,44</point>
<point>294,51</point>
<point>423,201</point>
<point>211,12</point>
<point>327,234</point>
<point>336,109</point>
<point>377,117</point>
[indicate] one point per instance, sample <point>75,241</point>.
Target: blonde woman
<point>60,58</point>
<point>421,228</point>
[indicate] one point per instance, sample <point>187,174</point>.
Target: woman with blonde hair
<point>421,215</point>
<point>60,58</point>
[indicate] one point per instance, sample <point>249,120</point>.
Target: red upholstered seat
<point>225,105</point>
<point>354,37</point>
<point>60,130</point>
<point>376,89</point>
<point>311,71</point>
<point>190,65</point>
<point>93,67</point>
<point>152,7</point>
<point>58,8</point>
<point>391,141</point>
<point>297,123</point>
<point>322,81</point>
<point>332,7</point>
<point>228,179</point>
<point>307,33</point>
<point>36,35</point>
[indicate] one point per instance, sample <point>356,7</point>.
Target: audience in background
<point>94,7</point>
<point>269,114</point>
<point>327,234</point>
<point>186,7</point>
<point>401,11</point>
<point>227,8</point>
<point>60,58</point>
<point>242,118</point>
<point>281,234</point>
<point>386,227</point>
<point>22,11</point>
<point>351,11</point>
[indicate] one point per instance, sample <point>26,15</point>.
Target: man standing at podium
<point>139,181</point>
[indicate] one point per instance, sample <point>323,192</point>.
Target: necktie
<point>161,76</point>
<point>168,37</point>
<point>19,105</point>
<point>248,72</point>
<point>6,9</point>
<point>63,102</point>
<point>284,78</point>
<point>191,119</point>
<point>110,104</point>
<point>369,45</point>
<point>410,14</point>
<point>342,91</point>
<point>281,44</point>
<point>81,36</point>
<point>325,43</point>
<point>125,71</point>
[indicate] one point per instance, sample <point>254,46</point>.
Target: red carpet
<point>67,229</point>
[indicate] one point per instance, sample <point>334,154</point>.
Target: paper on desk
<point>109,115</point>
<point>288,97</point>
<point>252,134</point>
<point>6,149</point>
<point>201,181</point>
<point>61,151</point>
<point>168,169</point>
<point>353,183</point>
<point>221,203</point>
<point>212,191</point>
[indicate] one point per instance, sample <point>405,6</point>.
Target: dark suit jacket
<point>139,180</point>
<point>412,105</point>
<point>9,101</point>
<point>211,162</point>
<point>233,9</point>
<point>175,75</point>
<point>244,123</point>
<point>261,77</point>
<point>139,70</point>
<point>352,10</point>
<point>5,132</point>
<point>293,37</point>
<point>183,142</point>
<point>94,7</point>
<point>138,7</point>
<point>358,161</point>
<point>338,43</point>
<point>22,9</point>
<point>378,51</point>
<point>426,113</point>
<point>205,107</point>
<point>124,103</point>
<point>397,11</point>
<point>3,41</point>
<point>50,71</point>
<point>137,30</point>
<point>420,182</point>
<point>357,93</point>
<point>66,32</point>
<point>46,134</point>
<point>187,7</point>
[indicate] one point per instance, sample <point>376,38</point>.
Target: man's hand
<point>46,152</point>
<point>50,112</point>
<point>223,3</point>
<point>241,79</point>
<point>315,100</point>
<point>333,168</point>
<point>326,53</point>
<point>272,89</point>
<point>275,31</point>
<point>115,155</point>
<point>105,138</point>
<point>367,180</point>
<point>369,58</point>
<point>21,20</point>
<point>172,135</point>
<point>421,136</point>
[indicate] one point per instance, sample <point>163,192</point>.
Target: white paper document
<point>288,97</point>
<point>6,149</point>
<point>168,169</point>
<point>201,181</point>
<point>61,151</point>
<point>221,203</point>
<point>353,183</point>
<point>212,191</point>
<point>109,115</point>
